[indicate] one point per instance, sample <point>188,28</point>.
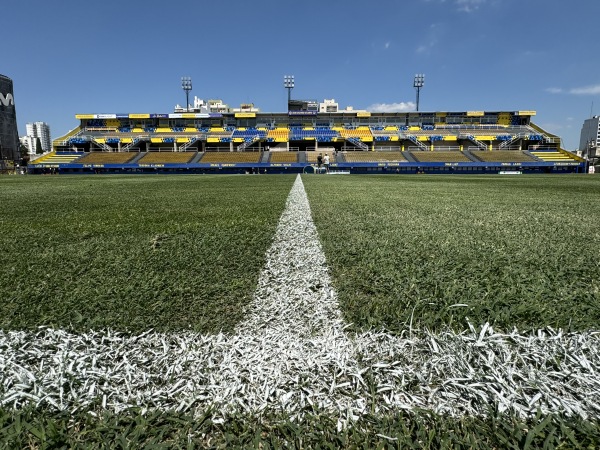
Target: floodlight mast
<point>186,84</point>
<point>418,84</point>
<point>288,83</point>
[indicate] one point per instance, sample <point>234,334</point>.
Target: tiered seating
<point>429,132</point>
<point>178,130</point>
<point>362,133</point>
<point>107,158</point>
<point>102,125</point>
<point>57,158</point>
<point>278,135</point>
<point>95,123</point>
<point>77,140</point>
<point>388,133</point>
<point>320,134</point>
<point>219,131</point>
<point>441,156</point>
<point>502,156</point>
<point>219,134</point>
<point>248,134</point>
<point>311,157</point>
<point>374,157</point>
<point>552,156</point>
<point>230,157</point>
<point>283,157</point>
<point>167,157</point>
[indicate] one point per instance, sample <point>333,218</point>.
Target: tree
<point>38,147</point>
<point>23,150</point>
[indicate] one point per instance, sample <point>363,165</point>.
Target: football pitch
<point>250,310</point>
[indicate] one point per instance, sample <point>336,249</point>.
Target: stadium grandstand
<point>213,138</point>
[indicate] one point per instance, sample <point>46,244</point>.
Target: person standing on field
<point>326,162</point>
<point>319,162</point>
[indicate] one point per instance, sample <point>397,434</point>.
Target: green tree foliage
<point>38,147</point>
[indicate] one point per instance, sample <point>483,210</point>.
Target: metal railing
<point>512,140</point>
<point>102,145</point>
<point>133,143</point>
<point>189,143</point>
<point>245,144</point>
<point>471,138</point>
<point>416,141</point>
<point>357,143</point>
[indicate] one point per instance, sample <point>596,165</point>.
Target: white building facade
<point>39,130</point>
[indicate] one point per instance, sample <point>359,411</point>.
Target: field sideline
<point>369,256</point>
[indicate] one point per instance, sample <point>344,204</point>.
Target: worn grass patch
<point>134,253</point>
<point>430,251</point>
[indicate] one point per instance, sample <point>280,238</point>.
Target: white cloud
<point>469,5</point>
<point>424,48</point>
<point>392,107</point>
<point>387,45</point>
<point>587,90</point>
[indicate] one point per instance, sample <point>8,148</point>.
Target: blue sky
<point>109,56</point>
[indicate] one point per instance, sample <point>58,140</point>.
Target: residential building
<point>39,130</point>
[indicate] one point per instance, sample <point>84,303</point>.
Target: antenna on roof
<point>592,110</point>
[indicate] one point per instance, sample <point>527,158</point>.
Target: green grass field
<point>174,253</point>
<point>134,253</point>
<point>433,251</point>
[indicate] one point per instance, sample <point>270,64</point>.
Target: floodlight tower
<point>186,84</point>
<point>418,84</point>
<point>288,83</point>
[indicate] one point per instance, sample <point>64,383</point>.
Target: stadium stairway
<point>472,157</point>
<point>196,157</point>
<point>409,157</point>
<point>528,153</point>
<point>138,157</point>
<point>264,158</point>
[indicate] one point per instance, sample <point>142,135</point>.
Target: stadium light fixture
<point>418,84</point>
<point>186,84</point>
<point>288,83</point>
